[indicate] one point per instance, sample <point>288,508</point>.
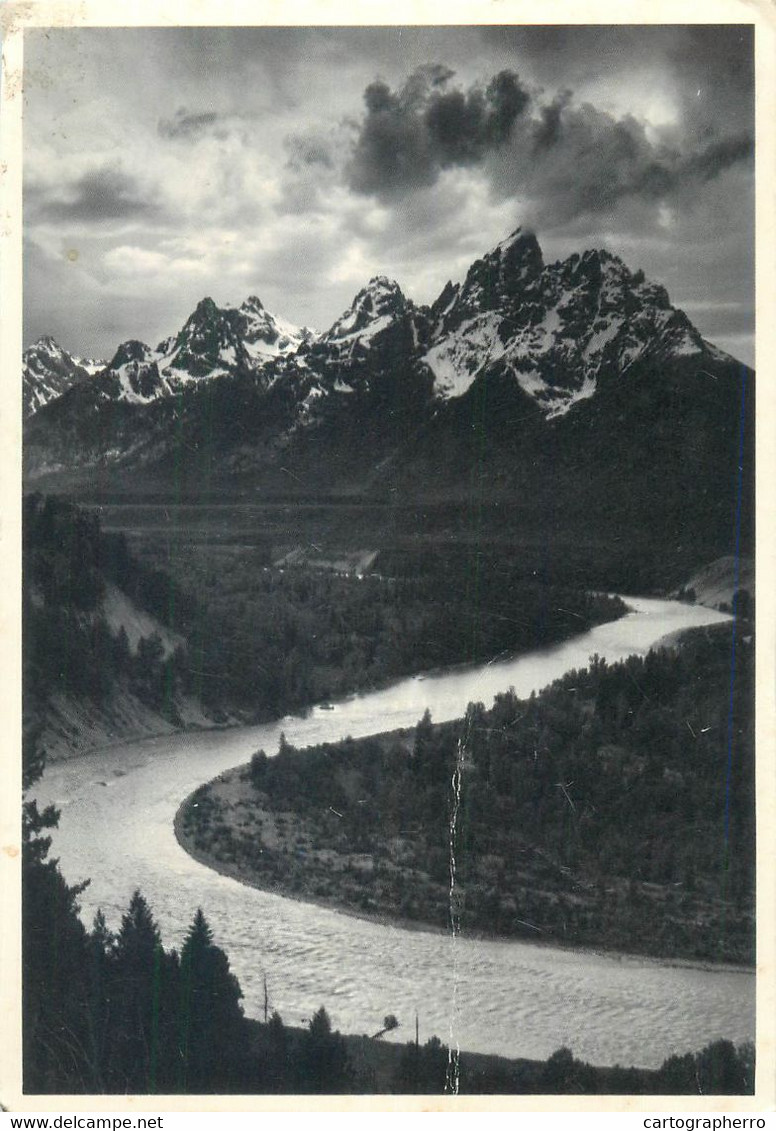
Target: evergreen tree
<point>211,1024</point>
<point>422,1070</point>
<point>323,1061</point>
<point>101,945</point>
<point>277,1067</point>
<point>142,974</point>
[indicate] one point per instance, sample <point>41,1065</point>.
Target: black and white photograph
<point>388,560</point>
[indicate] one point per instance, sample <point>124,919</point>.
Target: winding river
<point>512,998</point>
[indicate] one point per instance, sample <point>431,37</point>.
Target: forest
<point>262,642</point>
<point>621,793</point>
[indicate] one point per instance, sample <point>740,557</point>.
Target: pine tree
<point>102,944</point>
<point>323,1061</point>
<point>140,970</point>
<point>210,1019</point>
<point>277,1068</point>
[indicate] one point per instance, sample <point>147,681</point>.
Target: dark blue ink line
<point>736,558</point>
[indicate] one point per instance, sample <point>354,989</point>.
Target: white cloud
<point>139,262</point>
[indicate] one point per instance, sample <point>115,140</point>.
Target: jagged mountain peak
<point>265,335</point>
<point>601,268</point>
<point>131,351</point>
<point>205,308</point>
<point>252,303</point>
<point>48,370</point>
<point>521,245</point>
<point>555,328</point>
<point>45,342</point>
<point>500,280</point>
<point>381,284</point>
<point>373,309</point>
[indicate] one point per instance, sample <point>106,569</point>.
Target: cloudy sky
<point>163,165</point>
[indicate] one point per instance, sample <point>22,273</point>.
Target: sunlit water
<point>512,998</point>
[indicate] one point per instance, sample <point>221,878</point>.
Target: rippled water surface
<point>516,999</point>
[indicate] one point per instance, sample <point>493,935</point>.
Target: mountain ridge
<point>564,389</point>
<point>554,327</point>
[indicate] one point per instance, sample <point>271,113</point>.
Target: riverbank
<point>578,837</point>
<point>84,730</point>
<point>122,838</point>
<point>74,726</point>
<point>244,875</point>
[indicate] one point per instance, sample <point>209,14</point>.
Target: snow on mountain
<point>265,335</point>
<point>219,340</point>
<point>47,370</point>
<point>373,310</point>
<point>554,328</point>
<point>91,365</point>
<point>380,336</point>
<point>210,344</point>
<point>132,376</point>
<point>213,342</point>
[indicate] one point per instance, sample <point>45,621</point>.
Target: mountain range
<point>568,384</point>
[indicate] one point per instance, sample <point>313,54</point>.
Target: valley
<point>631,1010</point>
<point>253,529</point>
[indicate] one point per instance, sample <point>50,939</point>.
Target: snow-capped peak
<point>266,335</point>
<point>555,328</point>
<point>373,309</point>
<point>132,351</point>
<point>48,370</point>
<point>45,344</point>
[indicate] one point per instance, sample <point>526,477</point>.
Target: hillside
<point>115,646</point>
<point>99,659</point>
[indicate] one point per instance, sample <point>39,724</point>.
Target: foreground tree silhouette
<point>58,1051</point>
<point>323,1061</point>
<point>210,1020</point>
<point>144,981</point>
<point>422,1069</point>
<point>57,1046</point>
<point>278,1069</point>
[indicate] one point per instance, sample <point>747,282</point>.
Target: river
<point>512,998</point>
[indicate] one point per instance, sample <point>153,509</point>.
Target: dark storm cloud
<point>407,138</point>
<point>721,155</point>
<point>567,159</point>
<point>572,51</point>
<point>100,194</point>
<point>547,131</point>
<point>577,159</point>
<point>185,126</point>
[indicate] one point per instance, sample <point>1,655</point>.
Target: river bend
<point>512,998</point>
